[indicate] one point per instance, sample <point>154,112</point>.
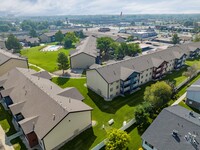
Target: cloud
<point>85,7</point>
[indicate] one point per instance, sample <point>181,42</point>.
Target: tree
<point>4,28</point>
<point>79,34</point>
<point>196,38</point>
<point>158,94</point>
<point>175,39</point>
<point>103,44</point>
<point>59,36</point>
<point>67,43</point>
<point>117,140</point>
<point>71,36</point>
<point>141,116</point>
<point>191,71</point>
<point>13,43</point>
<point>62,61</point>
<point>33,33</point>
<point>130,38</point>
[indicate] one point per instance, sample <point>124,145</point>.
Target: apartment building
<point>48,115</point>
<point>85,55</point>
<point>126,76</point>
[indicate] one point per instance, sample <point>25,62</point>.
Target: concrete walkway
<point>4,141</point>
<point>60,74</point>
<point>179,99</point>
<point>15,135</point>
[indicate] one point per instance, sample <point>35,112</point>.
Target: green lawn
<point>46,60</point>
<point>34,68</point>
<point>188,107</point>
<point>6,121</point>
<point>176,76</point>
<point>195,61</point>
<point>119,109</point>
<point>18,144</point>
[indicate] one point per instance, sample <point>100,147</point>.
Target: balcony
<point>126,89</point>
<point>127,82</point>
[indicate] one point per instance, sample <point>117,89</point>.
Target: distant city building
<point>29,41</point>
<point>193,95</point>
<point>104,29</point>
<point>142,33</point>
<point>175,128</point>
<point>163,40</point>
<point>2,44</point>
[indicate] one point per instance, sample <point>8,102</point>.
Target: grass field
<point>176,76</point>
<point>18,144</point>
<point>119,109</point>
<point>45,60</point>
<point>6,121</point>
<point>34,68</point>
<point>191,62</point>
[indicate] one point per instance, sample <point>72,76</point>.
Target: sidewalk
<point>179,99</point>
<point>5,142</point>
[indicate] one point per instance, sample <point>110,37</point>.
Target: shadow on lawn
<point>62,81</point>
<point>82,142</point>
<point>112,106</point>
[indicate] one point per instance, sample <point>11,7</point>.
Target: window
<point>141,77</point>
<point>117,81</point>
<point>150,73</point>
<point>146,74</point>
<point>111,89</point>
<point>141,82</point>
<point>111,96</point>
<point>117,93</point>
<point>145,80</point>
<point>117,87</point>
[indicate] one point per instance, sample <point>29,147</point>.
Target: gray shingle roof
<point>112,73</point>
<point>5,56</point>
<point>40,97</point>
<point>159,134</point>
<point>87,46</point>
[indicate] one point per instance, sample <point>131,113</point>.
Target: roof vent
<point>69,100</point>
<point>54,116</point>
<point>175,133</point>
<point>191,113</point>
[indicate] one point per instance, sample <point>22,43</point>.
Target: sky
<point>95,7</point>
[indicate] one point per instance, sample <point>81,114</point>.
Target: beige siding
<point>96,83</point>
<point>82,61</point>
<point>146,76</point>
<point>69,127</point>
<point>170,65</point>
<point>12,63</point>
<point>114,89</point>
